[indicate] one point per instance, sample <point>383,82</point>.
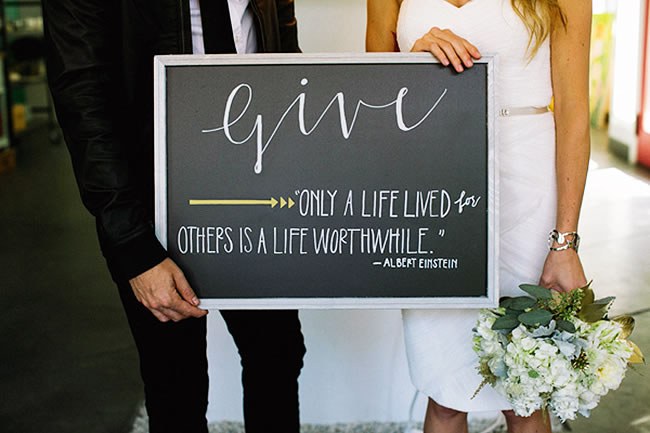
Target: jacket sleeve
<point>83,44</point>
<point>288,26</point>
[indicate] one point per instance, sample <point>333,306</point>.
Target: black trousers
<point>174,368</point>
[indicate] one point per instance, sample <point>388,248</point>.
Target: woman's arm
<point>382,25</point>
<point>570,75</point>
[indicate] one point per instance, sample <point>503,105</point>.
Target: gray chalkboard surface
<point>327,181</point>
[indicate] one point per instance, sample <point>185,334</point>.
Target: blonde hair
<point>539,16</point>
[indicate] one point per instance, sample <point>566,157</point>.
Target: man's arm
<point>83,52</point>
<point>83,43</point>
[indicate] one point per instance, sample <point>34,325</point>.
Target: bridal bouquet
<point>556,351</point>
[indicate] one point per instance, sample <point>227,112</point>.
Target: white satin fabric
<point>439,342</point>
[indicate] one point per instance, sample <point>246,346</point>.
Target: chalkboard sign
<point>312,181</point>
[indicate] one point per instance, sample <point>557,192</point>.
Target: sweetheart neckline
<point>457,7</point>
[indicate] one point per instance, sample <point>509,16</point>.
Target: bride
<point>543,49</point>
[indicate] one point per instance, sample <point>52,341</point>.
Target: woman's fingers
<point>473,51</point>
<point>439,54</point>
<point>448,48</point>
<point>457,44</point>
<point>441,50</point>
<point>452,55</point>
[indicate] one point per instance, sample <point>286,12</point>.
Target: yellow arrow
<point>291,203</point>
<point>283,202</point>
<point>272,202</point>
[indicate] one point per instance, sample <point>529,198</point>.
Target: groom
<point>100,71</point>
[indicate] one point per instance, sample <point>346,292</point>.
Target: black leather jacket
<point>99,59</point>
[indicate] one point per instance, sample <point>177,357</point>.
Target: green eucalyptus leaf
<point>505,302</point>
<point>567,326</point>
<point>537,292</point>
<point>511,312</point>
<point>536,317</point>
<point>505,323</point>
<point>521,303</point>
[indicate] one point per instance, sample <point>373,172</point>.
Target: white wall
<point>331,25</point>
<point>628,58</point>
<point>355,368</point>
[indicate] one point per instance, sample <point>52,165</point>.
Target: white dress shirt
<point>243,28</point>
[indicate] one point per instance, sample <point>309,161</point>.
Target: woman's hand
<point>563,271</point>
<point>448,47</point>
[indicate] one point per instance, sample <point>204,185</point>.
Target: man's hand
<point>164,290</point>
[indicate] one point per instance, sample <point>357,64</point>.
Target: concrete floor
<point>67,361</point>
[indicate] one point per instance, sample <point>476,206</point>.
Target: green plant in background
<point>600,68</point>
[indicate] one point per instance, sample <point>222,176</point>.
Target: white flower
<point>588,400</point>
<point>564,404</point>
<point>604,331</point>
<point>561,372</point>
<point>568,349</point>
<point>528,344</point>
<point>491,347</point>
<point>545,367</point>
<point>546,350</point>
<point>598,388</point>
<point>484,328</point>
<point>519,332</point>
<point>498,367</point>
<point>610,374</point>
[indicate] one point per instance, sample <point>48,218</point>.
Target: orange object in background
<point>19,118</point>
<point>644,117</point>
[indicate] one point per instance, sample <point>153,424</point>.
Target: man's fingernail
<point>195,300</point>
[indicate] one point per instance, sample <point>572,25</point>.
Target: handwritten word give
<point>338,100</point>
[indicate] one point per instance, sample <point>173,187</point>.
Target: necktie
<point>217,28</point>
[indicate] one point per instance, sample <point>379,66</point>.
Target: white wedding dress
<point>439,342</point>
